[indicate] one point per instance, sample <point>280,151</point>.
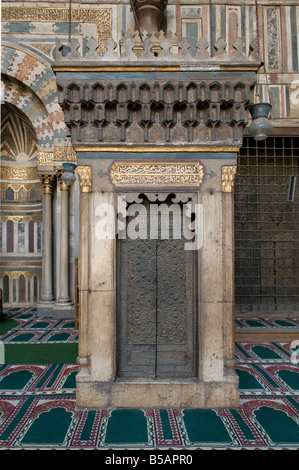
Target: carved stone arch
<point>37,75</point>
<point>23,98</point>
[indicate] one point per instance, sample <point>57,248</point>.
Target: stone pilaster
<point>83,360</point>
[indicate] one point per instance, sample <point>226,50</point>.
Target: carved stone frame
<point>217,384</point>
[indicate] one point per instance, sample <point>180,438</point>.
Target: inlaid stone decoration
<point>157,131</point>
<point>273,42</point>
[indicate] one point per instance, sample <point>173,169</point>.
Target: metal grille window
<point>267,225</point>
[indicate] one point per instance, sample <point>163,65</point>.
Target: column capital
<point>48,182</point>
<point>84,173</point>
<point>63,185</point>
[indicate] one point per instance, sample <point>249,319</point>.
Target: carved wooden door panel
<point>156,309</point>
<point>176,310</point>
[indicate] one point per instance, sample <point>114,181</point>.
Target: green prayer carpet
<point>38,399</point>
<point>48,353</point>
<point>7,325</point>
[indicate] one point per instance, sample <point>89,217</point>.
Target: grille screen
<point>267,225</point>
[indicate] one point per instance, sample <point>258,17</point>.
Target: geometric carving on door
<point>156,308</point>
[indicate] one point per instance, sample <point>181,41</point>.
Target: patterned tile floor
<point>38,409</point>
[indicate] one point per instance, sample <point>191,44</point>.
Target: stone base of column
<point>54,310</point>
<point>63,311</point>
<point>44,309</point>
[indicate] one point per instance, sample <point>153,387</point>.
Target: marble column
<point>64,294</point>
<point>47,291</point>
<point>47,267</point>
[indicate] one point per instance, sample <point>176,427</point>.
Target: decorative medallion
<point>156,174</point>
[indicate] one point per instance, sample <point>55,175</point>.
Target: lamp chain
<point>70,20</point>
<point>257,88</point>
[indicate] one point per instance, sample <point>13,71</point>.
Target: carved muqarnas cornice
<point>162,95</point>
<point>194,112</point>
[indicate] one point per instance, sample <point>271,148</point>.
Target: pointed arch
<point>27,77</point>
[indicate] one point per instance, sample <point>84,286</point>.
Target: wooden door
<point>157,314</point>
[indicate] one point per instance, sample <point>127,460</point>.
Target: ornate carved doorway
<point>156,297</point>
